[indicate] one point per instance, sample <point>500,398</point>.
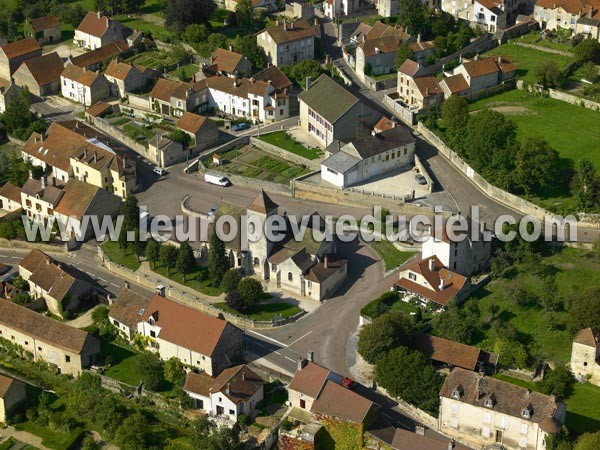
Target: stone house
<point>69,349</point>
<point>41,75</point>
<point>46,30</point>
<point>14,54</point>
<point>10,197</point>
<point>565,14</point>
<point>230,63</point>
<point>407,440</point>
<point>375,155</point>
<point>490,15</point>
<point>12,392</point>
<point>39,199</point>
<point>95,59</point>
<point>235,391</point>
<point>164,152</point>
<point>173,98</point>
<point>588,27</point>
<point>97,30</point>
<point>482,411</point>
<point>416,91</point>
<point>585,356</point>
<point>431,283</point>
<point>8,91</point>
<point>198,340</point>
<point>127,77</point>
<point>61,288</point>
<point>288,44</point>
<point>83,86</point>
<point>327,121</point>
<point>126,311</point>
<point>203,131</point>
<point>339,8</point>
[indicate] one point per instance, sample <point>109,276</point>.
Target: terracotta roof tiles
<point>45,69</point>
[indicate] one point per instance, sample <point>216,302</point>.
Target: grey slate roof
<point>328,98</point>
<point>341,162</point>
<point>382,142</point>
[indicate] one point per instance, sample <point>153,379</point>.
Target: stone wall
<point>138,101</point>
<point>543,49</point>
<point>282,153</point>
<point>119,135</point>
<point>506,198</point>
<point>573,99</point>
<point>47,248</point>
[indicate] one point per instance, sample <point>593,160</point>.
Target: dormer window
<point>490,401</point>
<point>527,412</point>
<point>457,392</point>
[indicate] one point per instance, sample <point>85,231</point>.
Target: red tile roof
<point>11,192</point>
<point>407,440</point>
<point>428,86</point>
<point>456,84</point>
<point>447,352</point>
<point>45,69</point>
<point>44,23</point>
<point>100,54</point>
<point>283,33</point>
<point>94,24</point>
<point>481,67</point>
<point>165,89</point>
<point>588,336</point>
<point>20,48</point>
<point>190,122</point>
<point>5,384</point>
<point>310,379</point>
<point>80,75</point>
<point>226,61</point>
<point>274,75</point>
<point>340,402</point>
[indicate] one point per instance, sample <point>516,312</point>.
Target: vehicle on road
<point>420,179</point>
<point>241,126</point>
<point>348,383</point>
<point>216,179</point>
<point>159,171</point>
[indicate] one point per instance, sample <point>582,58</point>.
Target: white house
<point>83,86</point>
<point>369,157</point>
<point>235,391</point>
<point>585,356</point>
<point>97,30</point>
<point>482,411</point>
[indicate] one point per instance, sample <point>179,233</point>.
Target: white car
<point>159,171</point>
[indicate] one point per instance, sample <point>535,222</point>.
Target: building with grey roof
<point>373,156</point>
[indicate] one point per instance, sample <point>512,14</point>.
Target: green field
<point>285,141</point>
<point>188,71</point>
<point>116,254</point>
<point>527,59</point>
<point>391,256</point>
<point>264,311</point>
<point>197,280</point>
<point>545,334</point>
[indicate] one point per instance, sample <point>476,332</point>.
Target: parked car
<point>420,179</point>
<point>348,383</point>
<point>241,126</point>
<point>159,171</point>
<point>216,179</point>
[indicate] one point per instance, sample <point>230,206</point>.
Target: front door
<point>220,411</point>
<point>499,436</point>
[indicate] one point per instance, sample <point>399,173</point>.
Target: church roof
<point>262,203</point>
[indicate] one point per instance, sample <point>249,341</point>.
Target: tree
<point>412,16</point>
<point>181,13</point>
<point>407,374</point>
<point>231,280</point>
<point>168,257</point>
<point>588,441</point>
<point>89,443</point>
<point>455,114</point>
<point>404,52</point>
<point>559,382</point>
<point>537,165</point>
<point>206,435</point>
<point>18,170</point>
<point>152,252</point>
<point>244,14</point>
<point>585,310</point>
<point>586,185</point>
<point>180,136</point>
<point>491,146</point>
<point>122,239</point>
<point>385,333</point>
<point>251,291</point>
<point>587,50</point>
<point>133,434</point>
<point>589,72</point>
<point>441,45</point>
<point>196,33</point>
<point>234,301</point>
<point>456,323</point>
<point>174,370</point>
<point>18,120</point>
<point>185,259</point>
<point>131,213</point>
<point>304,69</point>
<point>217,263</point>
<point>247,46</point>
<point>548,74</point>
<point>149,367</point>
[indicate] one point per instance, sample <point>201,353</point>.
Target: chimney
<point>451,444</point>
<point>460,59</point>
<point>277,23</point>
<point>85,153</point>
<point>30,173</point>
<point>99,14</point>
<point>44,182</point>
<point>326,261</point>
<point>243,376</point>
<point>228,388</point>
<point>308,83</point>
<point>231,48</point>
<point>476,57</point>
<point>301,363</point>
<point>431,265</point>
<point>311,356</point>
<point>95,157</point>
<point>442,283</point>
<point>252,80</point>
<point>499,59</point>
<point>427,91</point>
<point>419,38</point>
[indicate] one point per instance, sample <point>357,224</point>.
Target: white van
<point>216,179</point>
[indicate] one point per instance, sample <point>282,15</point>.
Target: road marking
<point>260,345</point>
<point>15,257</point>
<point>3,256</point>
<point>302,337</point>
<point>115,285</point>
<point>90,274</point>
<point>102,279</point>
<point>267,338</point>
<point>292,360</point>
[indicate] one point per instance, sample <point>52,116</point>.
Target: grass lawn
<point>217,22</point>
<point>391,256</point>
<point>536,39</point>
<point>125,258</point>
<point>54,439</point>
<point>188,72</point>
<point>285,141</point>
<point>573,271</point>
<point>192,280</point>
<point>385,76</point>
<point>123,365</point>
<point>264,311</point>
<point>527,59</point>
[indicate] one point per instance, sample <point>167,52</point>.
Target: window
<point>489,403</point>
<point>454,422</point>
<point>456,393</point>
<point>487,418</point>
<point>152,334</point>
<point>256,262</point>
<point>67,359</point>
<point>26,342</point>
<point>524,428</point>
<point>274,267</point>
<point>39,349</point>
<point>485,432</point>
<point>309,284</point>
<point>231,412</point>
<point>412,276</point>
<point>290,276</point>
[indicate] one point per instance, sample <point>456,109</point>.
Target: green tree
<point>585,310</point>
<point>247,46</point>
<point>89,443</point>
<point>559,382</point>
<point>196,33</point>
<point>537,165</point>
<point>149,367</point>
<point>491,146</point>
<point>231,280</point>
<point>588,441</point>
<point>298,73</point>
<point>441,45</point>
<point>152,252</point>
<point>131,213</point>
<point>180,136</point>
<point>18,120</point>
<point>412,16</point>
<point>589,72</point>
<point>455,114</point>
<point>217,263</point>
<point>181,13</point>
<point>404,52</point>
<point>586,185</point>
<point>133,434</point>
<point>18,170</point>
<point>244,14</point>
<point>456,323</point>
<point>168,257</point>
<point>407,374</point>
<point>548,74</point>
<point>185,259</point>
<point>21,298</point>
<point>587,50</point>
<point>174,370</point>
<point>122,239</point>
<point>385,333</point>
<point>251,291</point>
<point>205,435</point>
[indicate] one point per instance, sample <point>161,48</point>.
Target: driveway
<point>56,108</point>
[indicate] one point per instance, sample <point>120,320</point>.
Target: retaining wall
<point>48,248</point>
<point>282,153</point>
<point>573,99</point>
